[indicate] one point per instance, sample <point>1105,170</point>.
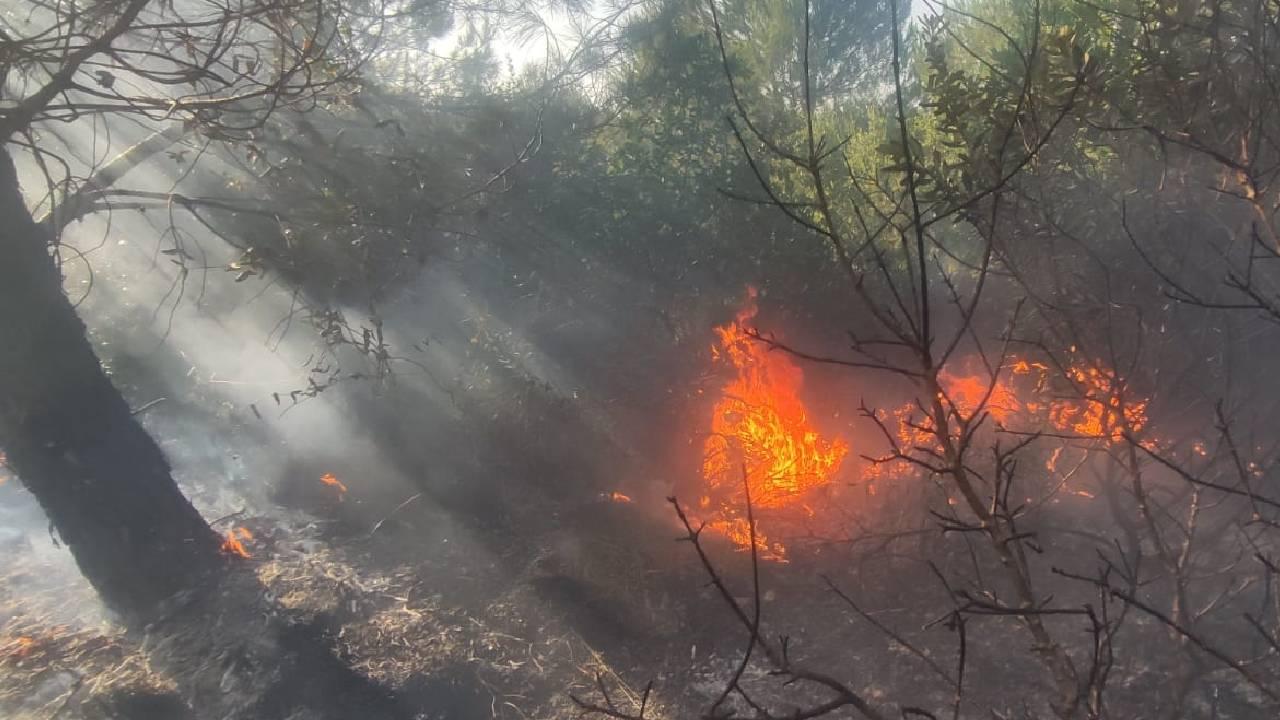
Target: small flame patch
<point>233,544</point>
<point>332,481</point>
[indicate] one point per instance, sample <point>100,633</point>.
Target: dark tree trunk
<point>73,440</point>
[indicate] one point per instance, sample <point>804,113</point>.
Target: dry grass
<point>504,657</point>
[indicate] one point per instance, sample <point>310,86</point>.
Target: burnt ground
<point>421,608</point>
<point>412,608</point>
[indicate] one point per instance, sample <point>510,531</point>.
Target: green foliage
<point>672,102</point>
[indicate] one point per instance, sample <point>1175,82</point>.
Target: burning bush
<point>762,447</point>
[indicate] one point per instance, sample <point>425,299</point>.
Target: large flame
<point>762,441</point>
<point>760,429</point>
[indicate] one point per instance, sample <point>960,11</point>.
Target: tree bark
<point>72,439</point>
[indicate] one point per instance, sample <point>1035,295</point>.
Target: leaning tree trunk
<point>69,435</point>
<point>107,489</point>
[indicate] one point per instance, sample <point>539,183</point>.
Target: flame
<point>233,544</point>
<point>968,392</point>
<point>332,481</point>
<point>762,442</point>
<point>1052,463</point>
<point>760,427</point>
<point>1096,406</point>
<point>1024,367</point>
<point>1102,409</point>
<point>619,497</point>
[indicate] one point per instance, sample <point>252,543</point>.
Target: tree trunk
<point>73,440</point>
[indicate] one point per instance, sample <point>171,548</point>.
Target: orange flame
<point>1104,408</point>
<point>760,427</point>
<point>1052,463</point>
<point>762,442</point>
<point>232,545</point>
<point>619,497</point>
<point>968,392</point>
<point>1097,406</point>
<point>332,481</point>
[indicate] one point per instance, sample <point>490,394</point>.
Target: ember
<point>234,545</point>
<point>760,427</point>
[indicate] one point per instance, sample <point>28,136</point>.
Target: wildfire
<point>968,392</point>
<point>762,442</point>
<point>1094,405</point>
<point>760,427</point>
<point>234,545</point>
<point>1102,410</point>
<point>618,497</point>
<point>332,481</point>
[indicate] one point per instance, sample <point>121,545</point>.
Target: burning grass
<point>332,481</point>
<point>761,441</point>
<point>233,544</point>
